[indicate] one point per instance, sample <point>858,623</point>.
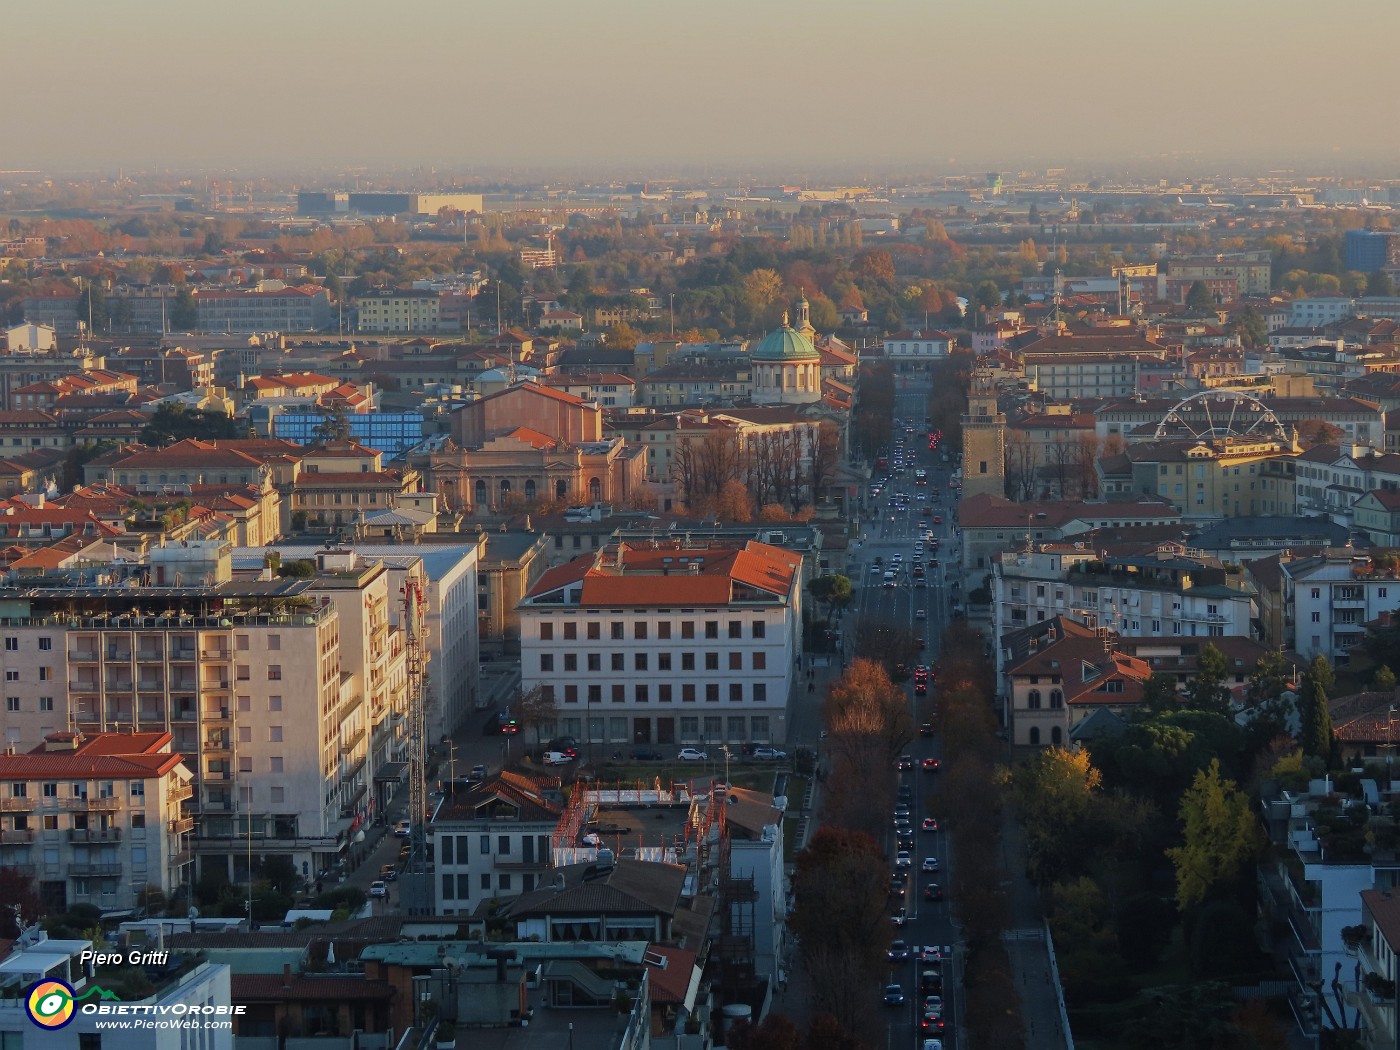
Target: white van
<point>556,758</point>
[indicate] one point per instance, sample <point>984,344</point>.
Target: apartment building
<point>270,307</point>
<point>917,350</point>
<point>1377,951</point>
<point>401,310</point>
<point>96,819</point>
<point>1328,599</point>
<point>1168,591</point>
<point>494,840</point>
<point>245,674</point>
<point>1330,479</point>
<point>667,643</point>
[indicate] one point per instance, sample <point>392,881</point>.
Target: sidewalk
<point>1027,949</point>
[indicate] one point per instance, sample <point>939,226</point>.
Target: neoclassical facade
<point>787,367</point>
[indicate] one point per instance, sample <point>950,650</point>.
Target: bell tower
<point>983,438</point>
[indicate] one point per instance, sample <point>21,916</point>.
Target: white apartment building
<point>1329,479</point>
<point>39,958</point>
<point>1328,600</point>
<point>494,840</point>
<point>1169,592</point>
<point>917,350</point>
<point>667,643</point>
<point>96,819</point>
<point>246,675</point>
<point>451,650</point>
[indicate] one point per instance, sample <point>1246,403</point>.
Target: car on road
<point>905,762</point>
<point>931,982</point>
<point>938,519</point>
<point>933,892</point>
<point>902,859</point>
<point>921,614</point>
<point>402,829</point>
<point>932,1044</point>
<point>930,824</point>
<point>388,872</point>
<point>918,548</point>
<point>900,917</point>
<point>378,889</point>
<point>899,952</point>
<point>478,772</point>
<point>690,754</point>
<point>646,754</point>
<point>897,888</point>
<point>930,765</point>
<point>894,995</point>
<point>935,953</point>
<point>769,754</point>
<point>929,864</point>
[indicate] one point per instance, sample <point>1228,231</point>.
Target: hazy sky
<point>740,85</point>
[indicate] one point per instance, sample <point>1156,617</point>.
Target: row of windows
<point>665,693</point>
<point>617,630</point>
<point>664,661</point>
<point>77,789</point>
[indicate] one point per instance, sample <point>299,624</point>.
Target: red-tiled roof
<point>664,576</point>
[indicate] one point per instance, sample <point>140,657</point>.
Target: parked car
<point>378,889</point>
<point>769,754</point>
<point>690,754</point>
<point>557,758</point>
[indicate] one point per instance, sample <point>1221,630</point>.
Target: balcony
<point>180,859</point>
<point>217,685</point>
<point>217,744</point>
<point>16,838</point>
<point>216,805</point>
<point>178,793</point>
<point>183,655</point>
<point>215,654</point>
<point>95,835</point>
<point>218,714</point>
<point>117,655</point>
<point>217,775</point>
<point>83,656</point>
<point>17,805</point>
<point>348,744</point>
<point>149,656</point>
<point>95,871</point>
<point>181,825</point>
<point>106,804</point>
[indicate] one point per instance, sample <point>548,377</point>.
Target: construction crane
<point>415,888</point>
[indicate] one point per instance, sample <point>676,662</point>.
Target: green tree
<point>1270,678</point>
<point>1220,837</point>
<point>334,424</point>
<point>1384,679</point>
<point>1159,693</point>
<point>1380,283</point>
<point>831,590</point>
<point>1317,736</point>
<point>1199,299</point>
<point>1250,327</point>
<point>1207,691</point>
<point>184,311</point>
<point>621,336</point>
<point>175,422</point>
<point>1145,923</point>
<point>1053,791</point>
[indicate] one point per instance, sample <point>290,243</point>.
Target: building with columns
<point>786,365</point>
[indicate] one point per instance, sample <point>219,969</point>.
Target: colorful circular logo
<point>50,1004</point>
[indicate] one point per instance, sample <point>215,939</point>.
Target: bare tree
<point>823,455</point>
<point>1084,458</point>
<point>1021,465</point>
<point>1059,462</point>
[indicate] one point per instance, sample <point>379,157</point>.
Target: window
<point>11,676</point>
<point>245,765</point>
<point>51,790</point>
<point>663,693</point>
<point>1317,617</point>
<point>11,644</point>
<point>663,629</point>
<point>687,661</point>
<point>711,628</point>
<point>1057,699</point>
<point>639,631</point>
<point>546,661</point>
<point>641,695</point>
<point>274,672</point>
<point>688,693</point>
<point>619,693</point>
<point>46,674</point>
<point>595,694</point>
<point>1033,700</point>
<point>687,628</point>
<point>45,644</point>
<point>736,629</point>
<point>759,628</point>
<point>570,694</point>
<point>712,661</point>
<point>279,794</point>
<point>274,764</point>
<point>639,662</point>
<point>274,734</point>
<point>595,631</point>
<point>546,632</point>
<point>736,661</point>
<point>570,631</point>
<point>617,629</point>
<point>11,703</point>
<point>595,661</point>
<point>736,692</point>
<point>571,661</point>
<point>712,692</point>
<point>663,661</point>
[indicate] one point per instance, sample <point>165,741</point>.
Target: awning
<point>391,773</point>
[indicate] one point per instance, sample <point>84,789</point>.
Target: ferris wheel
<point>1213,415</point>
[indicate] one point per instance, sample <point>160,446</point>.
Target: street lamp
<point>724,750</point>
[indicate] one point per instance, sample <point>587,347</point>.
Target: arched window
<point>595,489</point>
<point>1055,735</point>
<point>1035,736</point>
<point>505,489</point>
<point>561,489</point>
<point>1057,699</point>
<point>1033,700</point>
<point>530,490</point>
<point>480,498</point>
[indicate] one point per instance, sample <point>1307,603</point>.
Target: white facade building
<point>1328,600</point>
<point>917,350</point>
<point>1168,593</point>
<point>667,643</point>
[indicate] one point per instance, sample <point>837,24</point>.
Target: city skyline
<point>153,85</point>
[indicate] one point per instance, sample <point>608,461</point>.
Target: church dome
<point>785,344</point>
